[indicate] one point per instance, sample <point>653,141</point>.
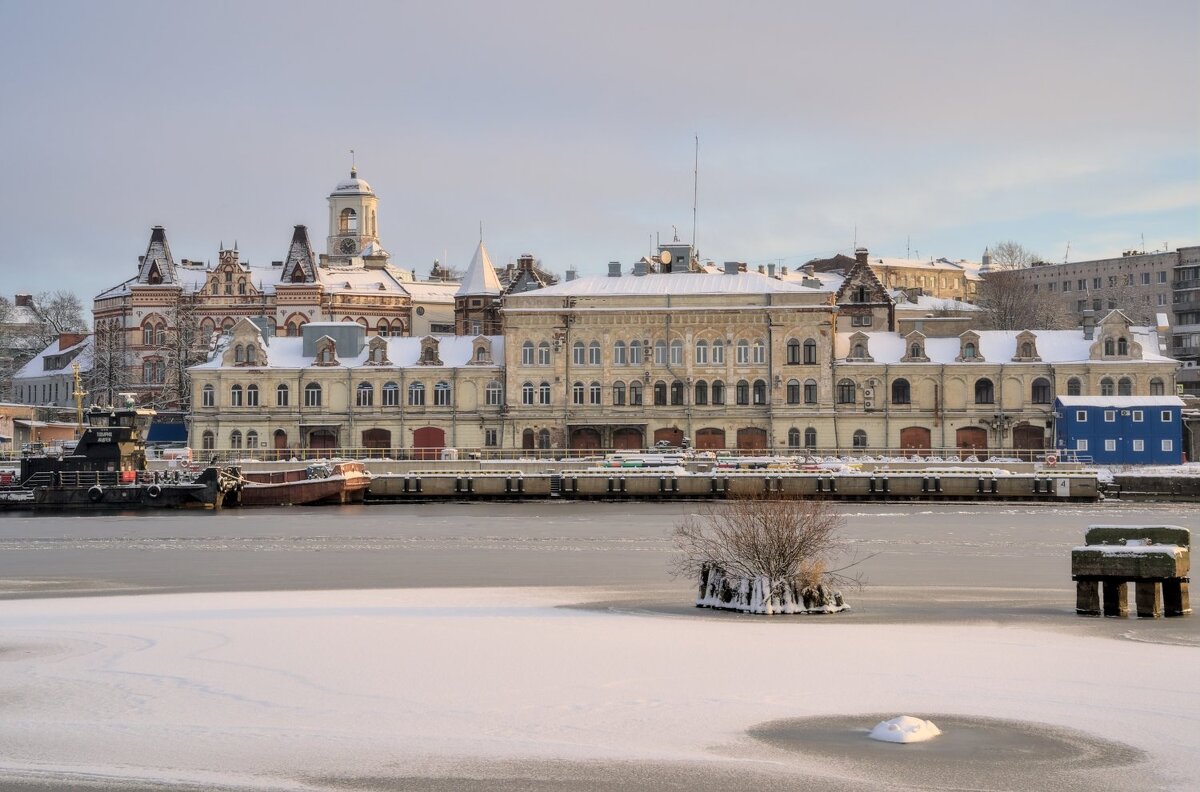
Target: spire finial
<point>353,166</point>
<point>481,232</point>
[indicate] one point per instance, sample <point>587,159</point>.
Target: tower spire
<point>353,166</point>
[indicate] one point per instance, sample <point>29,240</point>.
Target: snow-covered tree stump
<point>764,595</point>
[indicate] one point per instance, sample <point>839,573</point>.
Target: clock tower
<point>352,231</point>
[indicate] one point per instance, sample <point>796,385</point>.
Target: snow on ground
<point>263,686</point>
<point>1189,470</point>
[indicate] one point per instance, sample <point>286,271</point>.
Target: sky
<point>569,130</point>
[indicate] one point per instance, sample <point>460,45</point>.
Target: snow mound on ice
<point>904,729</point>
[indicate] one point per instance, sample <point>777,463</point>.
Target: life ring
<point>1051,459</point>
<point>153,492</point>
<point>96,493</point>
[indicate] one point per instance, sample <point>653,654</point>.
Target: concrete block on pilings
<point>1116,598</point>
<point>1148,594</point>
<point>1087,597</point>
<point>1175,598</point>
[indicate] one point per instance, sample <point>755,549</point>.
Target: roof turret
<point>157,266</point>
<point>300,265</point>
<point>481,276</point>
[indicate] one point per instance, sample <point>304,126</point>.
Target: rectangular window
<point>760,353</point>
<point>743,354</point>
<point>1081,284</point>
<point>1110,416</point>
<point>718,354</point>
<point>1145,278</point>
<point>1137,416</point>
<point>1066,285</point>
<point>207,397</point>
<point>1081,445</point>
<point>1110,445</point>
<point>1081,416</point>
<point>1166,416</point>
<point>1162,276</point>
<point>594,355</point>
<point>1168,446</point>
<point>1139,445</point>
<point>701,354</point>
<point>1095,283</point>
<point>677,354</point>
<point>491,438</point>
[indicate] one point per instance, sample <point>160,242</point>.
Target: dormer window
<point>969,352</point>
<point>1026,350</point>
<point>1122,346</point>
<point>914,350</point>
<point>1108,346</point>
<point>429,352</point>
<point>326,352</point>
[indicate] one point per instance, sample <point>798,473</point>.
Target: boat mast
<point>78,394</point>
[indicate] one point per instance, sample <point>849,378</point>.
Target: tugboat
<point>107,470</point>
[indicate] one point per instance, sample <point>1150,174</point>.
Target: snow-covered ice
<point>904,729</point>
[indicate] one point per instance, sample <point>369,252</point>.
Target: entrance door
<point>428,442</point>
<point>915,439</point>
<point>321,441</point>
<point>1028,441</point>
<point>376,441</point>
<point>627,439</point>
<point>710,439</point>
<point>279,443</point>
<point>673,436</point>
<point>752,438</point>
<point>585,438</point>
<point>971,439</point>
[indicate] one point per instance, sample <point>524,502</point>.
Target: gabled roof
<point>300,254</point>
<point>158,260</point>
<point>481,276</point>
<point>861,274</point>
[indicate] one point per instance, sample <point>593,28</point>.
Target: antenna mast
<point>695,198</point>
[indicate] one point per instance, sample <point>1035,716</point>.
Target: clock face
<point>665,258</point>
<point>348,246</point>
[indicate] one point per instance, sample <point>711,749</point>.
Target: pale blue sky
<point>566,128</point>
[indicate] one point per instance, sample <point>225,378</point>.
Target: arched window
<point>241,287</point>
<point>743,353</point>
<point>235,396</point>
<point>859,438</point>
<point>915,350</point>
<point>1156,387</point>
<point>578,392</point>
<point>984,392</point>
<point>969,352</point>
<point>1073,387</point>
<point>676,353</point>
<point>635,353</point>
<point>239,354</point>
<point>594,353</point>
<point>793,438</point>
<point>252,439</point>
<point>292,329</point>
<point>1040,392</point>
<point>390,395</point>
<point>594,391</point>
<point>312,395</point>
<point>810,438</point>
<point>793,358</point>
<point>364,395</point>
<point>493,394</point>
<point>660,392</point>
<point>251,395</point>
<point>618,394</point>
<point>701,353</point>
<point>578,354</point>
<point>742,392</point>
<point>677,393</point>
<point>544,393</point>
<point>235,439</point>
<point>760,392</point>
<point>635,393</point>
<point>1125,386</point>
<point>810,391</point>
<point>1122,346</point>
<point>859,351</point>
<point>527,392</point>
<point>619,358</point>
<point>281,396</point>
<point>846,391</point>
<point>250,353</point>
<point>208,396</point>
<point>348,221</point>
<point>442,394</point>
<point>208,440</point>
<point>718,392</point>
<point>700,396</point>
<point>793,390</point>
<point>148,334</point>
<point>660,353</point>
<point>527,353</point>
<point>1026,349</point>
<point>416,394</point>
<point>1106,387</point>
<point>1108,346</point>
<point>810,351</point>
<point>901,392</point>
<point>718,353</point>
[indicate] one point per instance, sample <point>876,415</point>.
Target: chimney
<point>762,270</point>
<point>68,340</point>
<point>23,300</point>
<point>731,268</point>
<point>525,262</point>
<point>571,275</point>
<point>771,270</point>
<point>783,272</point>
<point>639,267</point>
<point>614,269</point>
<point>860,255</point>
<point>1089,324</point>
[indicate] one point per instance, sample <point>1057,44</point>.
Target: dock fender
<point>96,493</point>
<point>153,492</point>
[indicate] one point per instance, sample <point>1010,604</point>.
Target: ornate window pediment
<point>430,354</point>
<point>1115,340</point>
<point>481,351</point>
<point>860,348</point>
<point>246,347</point>
<point>1026,351</point>
<point>914,348</point>
<point>326,352</point>
<point>377,351</point>
<point>968,348</point>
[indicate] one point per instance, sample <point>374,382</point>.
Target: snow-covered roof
<point>288,352</point>
<point>481,276</point>
<point>358,279</point>
<point>353,185</point>
<point>670,284</point>
<point>432,291</point>
<point>1120,401</point>
<point>998,346</point>
<point>927,302</point>
<point>970,268</point>
<point>80,353</point>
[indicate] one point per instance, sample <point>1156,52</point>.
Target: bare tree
<point>1008,301</point>
<point>789,542</point>
<point>111,359</point>
<point>179,348</point>
<point>1009,255</point>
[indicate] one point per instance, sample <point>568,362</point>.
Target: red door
<point>428,442</point>
<point>585,438</point>
<point>710,439</point>
<point>915,439</point>
<point>751,439</point>
<point>971,440</point>
<point>673,436</point>
<point>627,439</point>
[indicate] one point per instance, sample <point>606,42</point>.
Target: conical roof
<point>157,265</point>
<point>299,266</point>
<point>481,276</point>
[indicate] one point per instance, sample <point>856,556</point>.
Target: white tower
<point>352,230</point>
